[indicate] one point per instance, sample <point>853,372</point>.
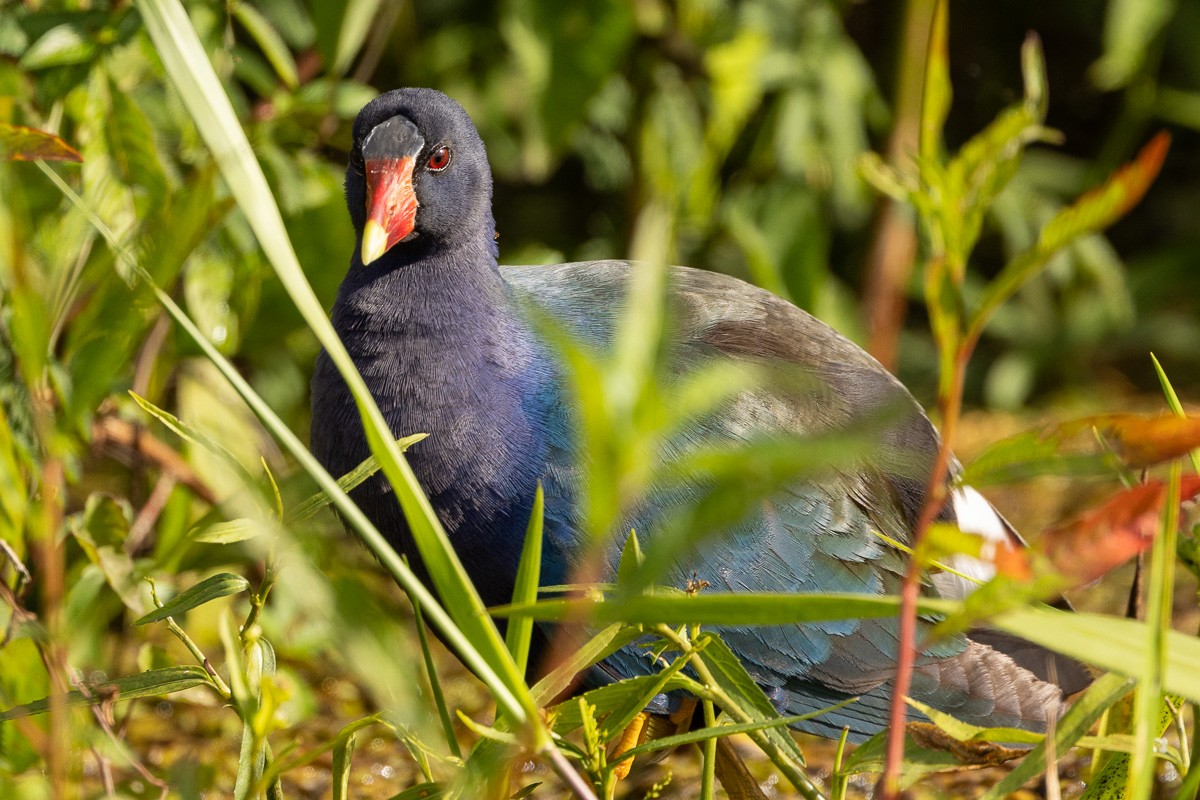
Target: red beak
<point>391,205</point>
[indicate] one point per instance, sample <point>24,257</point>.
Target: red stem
<point>935,496</point>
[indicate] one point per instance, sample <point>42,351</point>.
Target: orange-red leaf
<point>1107,203</point>
<point>1141,441</point>
<point>1110,534</point>
<point>20,143</point>
<point>1011,561</point>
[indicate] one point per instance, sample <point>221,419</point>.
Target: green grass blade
<point>435,684</point>
<point>1160,587</point>
<point>742,608</point>
<point>188,66</point>
<point>525,589</point>
<point>1112,643</point>
<point>1173,402</point>
<point>368,467</point>
<point>356,25</point>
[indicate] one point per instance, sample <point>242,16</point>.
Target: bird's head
<point>418,170</point>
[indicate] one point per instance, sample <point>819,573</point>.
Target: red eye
<point>439,159</point>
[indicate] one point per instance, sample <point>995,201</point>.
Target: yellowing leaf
<point>1142,440</point>
<point>1107,203</point>
<point>29,144</point>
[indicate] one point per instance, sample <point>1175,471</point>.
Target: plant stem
<point>708,776</point>
<point>951,406</point>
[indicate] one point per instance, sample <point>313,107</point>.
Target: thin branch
<point>124,437</point>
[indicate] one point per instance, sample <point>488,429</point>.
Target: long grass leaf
<point>741,608</point>
<point>1160,587</point>
<point>1173,402</point>
<point>525,589</point>
<point>1112,643</point>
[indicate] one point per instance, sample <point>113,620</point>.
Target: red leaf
<point>20,143</point>
<point>1110,534</point>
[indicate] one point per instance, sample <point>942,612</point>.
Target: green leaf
<point>343,752</point>
<point>1112,643</point>
<point>935,101</point>
<point>614,696</point>
<point>742,608</point>
<point>631,560</point>
<point>599,647</point>
<point>60,46</point>
<point>1033,454</point>
<point>154,683</point>
<point>634,703</point>
<point>966,732</point>
<point>356,25</point>
<point>351,479</point>
<point>188,433</point>
<point>704,734</point>
<point>869,757</point>
<point>269,41</point>
<point>1092,212</point>
<point>1130,30</point>
<point>422,791</point>
<point>231,531</point>
<point>1173,403</point>
<point>525,585</point>
<point>732,677</point>
<point>131,145</point>
<point>220,585</point>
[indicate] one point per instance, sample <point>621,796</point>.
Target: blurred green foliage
<point>744,120</point>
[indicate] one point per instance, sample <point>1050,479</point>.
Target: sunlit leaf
<point>964,731</point>
<point>714,608</point>
<point>1111,643</point>
<point>29,144</point>
<point>146,684</point>
<point>269,40</point>
<point>347,482</point>
<point>220,585</point>
<point>603,644</point>
<point>1130,30</point>
<point>1032,454</point>
<point>732,677</point>
<point>356,25</point>
<point>525,586</point>
<point>935,101</point>
<point>1092,212</point>
<point>606,699</point>
<point>63,44</point>
<point>1142,440</point>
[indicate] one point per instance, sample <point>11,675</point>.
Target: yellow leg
<point>631,737</point>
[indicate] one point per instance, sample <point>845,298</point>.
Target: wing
<point>810,536</point>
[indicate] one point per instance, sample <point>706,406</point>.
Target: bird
<point>449,343</point>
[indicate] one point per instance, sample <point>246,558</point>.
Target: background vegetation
<point>743,121</point>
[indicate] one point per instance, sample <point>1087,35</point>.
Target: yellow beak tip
<point>374,241</point>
